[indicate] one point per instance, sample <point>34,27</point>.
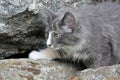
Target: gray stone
<point>8,8</point>
<point>22,32</point>
<point>102,73</point>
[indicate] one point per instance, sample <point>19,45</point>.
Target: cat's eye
<point>56,35</point>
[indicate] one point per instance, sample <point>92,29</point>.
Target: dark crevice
<point>18,56</point>
<point>111,47</point>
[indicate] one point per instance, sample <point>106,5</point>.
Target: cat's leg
<point>94,61</point>
<point>47,54</point>
<point>100,62</point>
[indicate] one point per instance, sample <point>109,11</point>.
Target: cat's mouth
<point>55,47</point>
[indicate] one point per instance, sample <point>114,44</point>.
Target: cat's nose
<point>49,45</point>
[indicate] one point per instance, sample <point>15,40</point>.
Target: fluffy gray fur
<point>93,34</point>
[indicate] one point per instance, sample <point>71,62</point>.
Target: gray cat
<point>90,34</point>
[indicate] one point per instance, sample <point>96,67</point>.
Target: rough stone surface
<point>21,32</point>
<point>103,73</point>
<point>24,69</point>
<point>8,8</point>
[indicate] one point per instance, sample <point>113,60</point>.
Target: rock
<point>103,73</point>
<point>58,4</point>
<point>22,32</point>
<point>24,69</point>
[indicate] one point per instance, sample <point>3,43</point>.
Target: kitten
<point>90,34</point>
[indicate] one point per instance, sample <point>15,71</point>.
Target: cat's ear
<point>68,22</point>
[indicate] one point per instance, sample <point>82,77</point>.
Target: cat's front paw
<point>38,55</point>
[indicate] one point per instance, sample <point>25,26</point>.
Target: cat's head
<point>61,31</point>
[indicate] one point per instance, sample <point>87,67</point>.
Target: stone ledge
<point>25,69</point>
<point>102,73</point>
